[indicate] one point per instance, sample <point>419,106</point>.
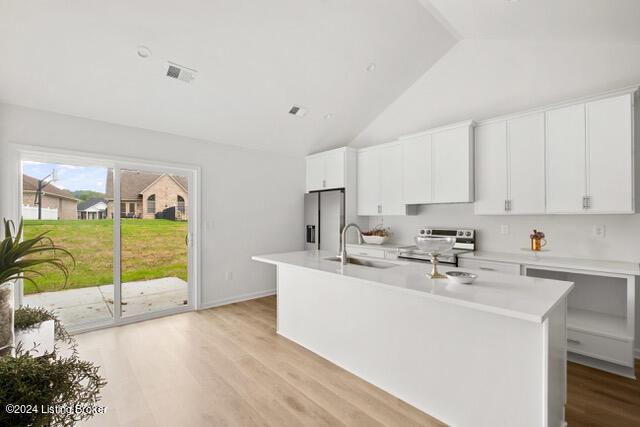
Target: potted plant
<point>18,259</point>
<point>36,330</point>
<point>63,389</point>
<point>377,235</point>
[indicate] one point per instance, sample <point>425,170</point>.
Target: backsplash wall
<point>568,235</point>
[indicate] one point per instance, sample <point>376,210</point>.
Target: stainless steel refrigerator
<point>323,219</point>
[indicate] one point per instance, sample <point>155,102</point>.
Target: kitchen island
<point>488,354</point>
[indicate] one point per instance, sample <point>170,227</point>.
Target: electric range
<point>465,242</point>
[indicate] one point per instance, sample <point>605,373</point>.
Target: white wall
<point>253,199</point>
<point>480,79</point>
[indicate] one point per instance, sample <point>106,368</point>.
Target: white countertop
<point>545,259</point>
<point>525,298</point>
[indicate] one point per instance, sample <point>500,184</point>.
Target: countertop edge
<point>476,306</point>
<point>550,261</point>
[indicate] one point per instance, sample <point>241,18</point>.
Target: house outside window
<point>181,205</point>
<point>151,204</point>
<point>132,207</point>
<point>123,208</point>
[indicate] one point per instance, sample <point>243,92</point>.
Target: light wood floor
<point>227,366</point>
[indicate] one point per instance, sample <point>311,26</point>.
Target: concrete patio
<point>82,305</point>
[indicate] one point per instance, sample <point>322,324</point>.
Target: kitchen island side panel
<point>463,366</point>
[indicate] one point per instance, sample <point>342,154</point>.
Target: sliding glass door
<point>66,201</point>
<point>154,230</point>
<point>128,227</point>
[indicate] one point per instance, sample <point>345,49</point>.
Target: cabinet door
<point>491,169</point>
<point>416,170</point>
<point>565,147</point>
<point>334,169</point>
<point>452,167</point>
<point>315,173</point>
<point>610,155</point>
<point>369,182</point>
<point>526,164</point>
<point>391,180</point>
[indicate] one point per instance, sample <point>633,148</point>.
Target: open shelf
<point>602,324</point>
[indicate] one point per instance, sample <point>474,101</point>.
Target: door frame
<point>192,172</point>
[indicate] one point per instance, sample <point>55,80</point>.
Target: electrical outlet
<point>599,231</point>
<point>504,229</point>
<point>228,275</point>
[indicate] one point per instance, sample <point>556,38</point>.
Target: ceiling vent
<point>180,72</point>
<point>298,111</point>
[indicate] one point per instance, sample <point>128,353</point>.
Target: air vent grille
<point>180,72</point>
<point>298,111</point>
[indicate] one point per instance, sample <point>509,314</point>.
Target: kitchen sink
<point>364,262</point>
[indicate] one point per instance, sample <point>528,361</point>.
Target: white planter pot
<point>37,340</point>
<point>6,317</point>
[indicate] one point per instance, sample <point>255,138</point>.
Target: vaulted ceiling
<point>254,60</point>
<point>513,56</point>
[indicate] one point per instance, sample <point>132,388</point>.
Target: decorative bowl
<point>375,240</point>
<point>435,245</point>
<point>461,277</point>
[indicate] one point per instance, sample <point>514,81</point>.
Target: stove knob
<point>421,231</point>
<point>428,231</point>
<point>468,234</point>
<point>459,233</point>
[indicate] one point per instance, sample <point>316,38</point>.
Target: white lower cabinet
<point>600,309</point>
<point>482,265</point>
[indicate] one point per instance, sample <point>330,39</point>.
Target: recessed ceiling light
<point>371,67</point>
<point>328,116</point>
<point>144,52</point>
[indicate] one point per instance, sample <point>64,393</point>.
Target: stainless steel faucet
<point>343,242</point>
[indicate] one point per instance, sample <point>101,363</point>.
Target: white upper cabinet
<point>315,172</point>
<point>525,149</point>
<point>491,191</point>
<point>416,170</point>
<point>334,164</point>
<point>590,150</point>
<point>452,165</point>
<point>326,170</point>
<point>610,155</point>
<point>369,183</point>
<point>566,154</point>
<point>391,199</point>
<point>380,181</point>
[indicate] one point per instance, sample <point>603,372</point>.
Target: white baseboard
<point>237,298</point>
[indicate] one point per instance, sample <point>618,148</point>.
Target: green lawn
<point>151,249</point>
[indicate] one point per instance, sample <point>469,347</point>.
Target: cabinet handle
<point>505,206</point>
<point>585,202</point>
<point>509,204</point>
<point>570,341</point>
<point>487,269</point>
<point>379,208</point>
<point>324,183</point>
